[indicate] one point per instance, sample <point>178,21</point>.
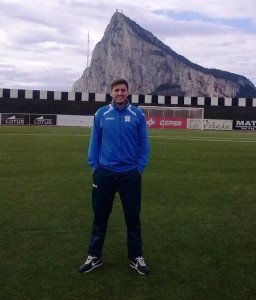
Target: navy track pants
<point>106,184</point>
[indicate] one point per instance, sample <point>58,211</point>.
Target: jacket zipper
<point>120,137</point>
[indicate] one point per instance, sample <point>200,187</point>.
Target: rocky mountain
<point>151,67</point>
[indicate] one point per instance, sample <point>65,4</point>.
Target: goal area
<point>166,117</point>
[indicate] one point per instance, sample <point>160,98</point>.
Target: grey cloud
<point>50,80</point>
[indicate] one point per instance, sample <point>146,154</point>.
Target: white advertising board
<point>210,124</point>
<point>71,120</point>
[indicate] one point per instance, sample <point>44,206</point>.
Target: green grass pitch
<point>198,218</point>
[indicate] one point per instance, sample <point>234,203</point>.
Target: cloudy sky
<point>43,44</point>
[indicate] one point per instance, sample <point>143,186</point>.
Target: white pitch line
<point>43,134</point>
<point>203,139</point>
<point>209,139</point>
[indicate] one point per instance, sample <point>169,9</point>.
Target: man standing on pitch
<point>118,154</point>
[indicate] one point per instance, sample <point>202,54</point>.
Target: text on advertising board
<point>162,122</point>
<point>14,119</point>
<point>43,120</point>
<point>244,125</point>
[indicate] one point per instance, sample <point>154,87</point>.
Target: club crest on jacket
<point>127,119</point>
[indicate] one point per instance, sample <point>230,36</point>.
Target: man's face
<point>119,93</point>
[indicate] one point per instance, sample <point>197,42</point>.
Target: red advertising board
<point>169,123</point>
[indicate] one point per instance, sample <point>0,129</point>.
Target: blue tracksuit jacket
<point>119,139</point>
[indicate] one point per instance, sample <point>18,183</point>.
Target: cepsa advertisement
<point>169,123</point>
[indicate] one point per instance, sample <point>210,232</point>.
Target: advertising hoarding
<point>169,123</point>
<point>244,125</point>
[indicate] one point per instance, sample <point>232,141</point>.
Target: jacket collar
<point>115,107</point>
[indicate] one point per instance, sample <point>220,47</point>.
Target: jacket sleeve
<point>95,143</point>
<point>144,149</point>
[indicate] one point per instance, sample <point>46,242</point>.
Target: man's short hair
<point>119,81</point>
